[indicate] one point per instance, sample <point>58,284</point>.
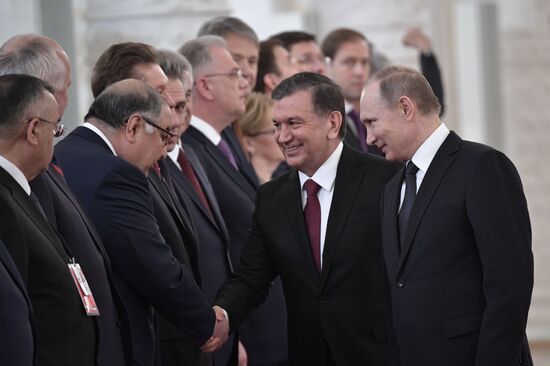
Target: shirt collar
<point>175,153</point>
<point>326,174</point>
<point>90,126</point>
<point>348,107</point>
<point>15,173</point>
<point>423,157</point>
<point>206,129</point>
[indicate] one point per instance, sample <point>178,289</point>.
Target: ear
<point>132,128</point>
<point>249,145</point>
<point>406,107</point>
<point>335,121</point>
<point>203,88</point>
<point>270,81</point>
<point>32,132</point>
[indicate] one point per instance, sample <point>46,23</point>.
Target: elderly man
<point>126,132</point>
<point>193,189</point>
<point>317,228</point>
<point>219,96</point>
<point>242,44</point>
<point>63,333</point>
<point>456,233</point>
<point>44,58</point>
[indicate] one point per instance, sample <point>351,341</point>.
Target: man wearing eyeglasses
<point>169,233</point>
<point>219,97</point>
<point>63,334</point>
<point>43,57</point>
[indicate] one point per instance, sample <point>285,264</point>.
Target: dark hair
<point>335,39</point>
<point>117,103</point>
<point>266,62</point>
<point>18,94</point>
<point>326,96</point>
<point>398,81</point>
<point>117,63</point>
<point>288,39</point>
<point>224,25</point>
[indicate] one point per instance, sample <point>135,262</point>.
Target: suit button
<point>400,283</point>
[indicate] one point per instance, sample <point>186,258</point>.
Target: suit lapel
<point>441,162</point>
<point>291,201</point>
<point>33,212</point>
<point>346,185</point>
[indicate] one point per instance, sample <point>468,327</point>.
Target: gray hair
<point>36,58</point>
<point>197,51</point>
<point>114,106</point>
<point>224,25</point>
<point>174,65</point>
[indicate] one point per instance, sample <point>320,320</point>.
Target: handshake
<point>221,331</point>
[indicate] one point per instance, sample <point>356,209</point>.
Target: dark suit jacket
<point>64,335</point>
<point>462,285</point>
<point>75,227</point>
<point>346,306</point>
<point>236,200</point>
<point>16,335</point>
<point>228,134</point>
<point>212,237</point>
<point>117,197</point>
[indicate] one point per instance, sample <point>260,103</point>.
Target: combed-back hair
<point>36,58</point>
<point>326,96</point>
<point>18,94</point>
<point>174,65</point>
<point>290,38</point>
<point>118,62</point>
<point>224,25</point>
<point>116,104</point>
<point>197,51</point>
<point>398,81</point>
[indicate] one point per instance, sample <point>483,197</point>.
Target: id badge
<point>83,289</point>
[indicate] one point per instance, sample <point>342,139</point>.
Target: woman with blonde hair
<point>258,135</point>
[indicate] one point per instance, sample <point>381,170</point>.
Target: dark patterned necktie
<point>408,200</point>
<point>312,214</point>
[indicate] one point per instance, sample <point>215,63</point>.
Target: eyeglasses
<point>233,74</point>
<point>165,133</point>
<point>57,131</point>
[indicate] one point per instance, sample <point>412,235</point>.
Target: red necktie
<point>312,214</point>
<point>189,173</point>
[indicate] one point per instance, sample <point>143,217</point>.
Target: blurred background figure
<point>259,142</point>
<point>303,49</point>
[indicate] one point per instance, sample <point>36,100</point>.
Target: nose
<point>243,82</point>
<point>169,100</point>
<point>282,134</point>
<point>371,137</point>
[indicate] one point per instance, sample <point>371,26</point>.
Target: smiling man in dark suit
<point>317,227</point>
<point>456,233</point>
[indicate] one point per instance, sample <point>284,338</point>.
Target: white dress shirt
<point>100,134</point>
<point>16,174</point>
<point>423,157</point>
<point>206,129</point>
<point>173,155</point>
<point>325,177</point>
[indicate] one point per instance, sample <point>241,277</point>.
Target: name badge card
<point>83,289</point>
